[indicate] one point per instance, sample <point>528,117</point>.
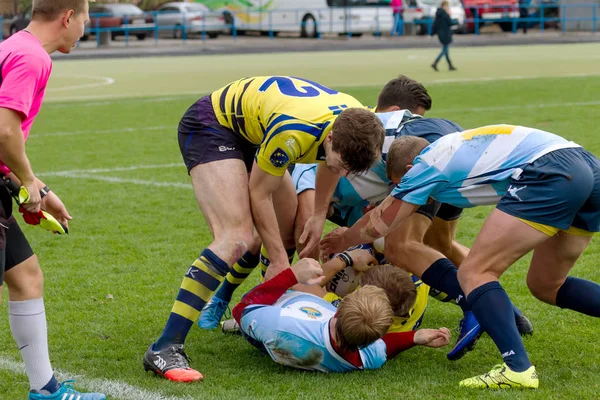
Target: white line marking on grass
<point>100,81</point>
<point>127,98</point>
<point>521,107</point>
<point>113,169</point>
<point>109,387</point>
<point>112,179</point>
<point>105,131</point>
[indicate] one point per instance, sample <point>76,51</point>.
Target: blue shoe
<point>470,331</point>
<point>212,313</point>
<point>66,392</point>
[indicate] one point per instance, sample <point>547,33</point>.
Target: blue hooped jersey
<point>295,332</point>
<point>475,167</point>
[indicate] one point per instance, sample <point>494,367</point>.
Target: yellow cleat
<point>502,377</point>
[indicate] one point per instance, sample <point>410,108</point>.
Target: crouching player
<point>302,330</point>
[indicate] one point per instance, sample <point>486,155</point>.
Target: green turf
<point>135,242</point>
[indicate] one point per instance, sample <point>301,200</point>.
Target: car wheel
<point>506,26</point>
<point>141,36</point>
<point>308,29</point>
<point>213,35</point>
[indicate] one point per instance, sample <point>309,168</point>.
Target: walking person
<point>398,27</point>
<point>442,27</point>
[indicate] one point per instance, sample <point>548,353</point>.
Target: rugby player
<point>237,144</point>
<point>547,195</point>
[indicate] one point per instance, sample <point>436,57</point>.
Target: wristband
<point>345,257</point>
<point>44,191</point>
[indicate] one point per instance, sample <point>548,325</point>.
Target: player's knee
<point>399,253</point>
<point>542,290</point>
<point>26,281</point>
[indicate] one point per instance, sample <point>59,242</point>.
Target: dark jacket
<point>441,26</point>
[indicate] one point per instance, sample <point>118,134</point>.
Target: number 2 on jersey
<point>287,87</point>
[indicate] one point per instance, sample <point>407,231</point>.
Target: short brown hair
<point>405,93</point>
<point>398,285</point>
<point>402,152</point>
<point>358,136</point>
<point>48,10</point>
<point>363,317</point>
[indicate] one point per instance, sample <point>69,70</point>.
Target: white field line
<point>105,131</point>
<point>95,174</point>
<point>125,98</point>
<point>109,387</point>
<point>99,81</point>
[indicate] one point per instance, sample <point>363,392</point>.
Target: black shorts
<point>429,210</point>
<point>202,139</point>
<point>448,212</point>
<point>14,247</point>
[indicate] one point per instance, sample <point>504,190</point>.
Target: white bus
<point>309,18</point>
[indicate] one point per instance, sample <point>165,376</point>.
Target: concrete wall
<point>581,12</point>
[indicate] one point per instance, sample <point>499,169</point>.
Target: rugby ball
<point>344,282</point>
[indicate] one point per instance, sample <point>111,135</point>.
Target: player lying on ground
<point>547,195</point>
<point>344,273</point>
<point>25,63</point>
<point>304,331</point>
<point>425,240</point>
<point>255,126</point>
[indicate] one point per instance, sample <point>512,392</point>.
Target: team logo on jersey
<point>311,312</point>
<point>293,147</point>
<point>279,158</point>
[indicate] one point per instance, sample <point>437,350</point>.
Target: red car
<point>491,11</point>
<point>119,18</point>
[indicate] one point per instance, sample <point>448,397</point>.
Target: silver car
<point>194,17</point>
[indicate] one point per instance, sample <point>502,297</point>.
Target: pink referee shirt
<point>25,69</point>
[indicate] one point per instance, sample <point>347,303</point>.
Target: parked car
<point>118,18</point>
<point>491,12</point>
<point>195,17</point>
<point>422,13</point>
<point>10,26</point>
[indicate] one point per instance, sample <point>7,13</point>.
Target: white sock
<point>28,325</point>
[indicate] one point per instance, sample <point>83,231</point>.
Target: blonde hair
<point>445,3</point>
<point>401,153</point>
<point>364,316</point>
<point>398,285</point>
<point>48,10</point>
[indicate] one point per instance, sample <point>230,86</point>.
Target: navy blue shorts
<point>202,139</point>
<point>559,190</point>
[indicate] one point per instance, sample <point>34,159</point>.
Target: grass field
<point>106,143</point>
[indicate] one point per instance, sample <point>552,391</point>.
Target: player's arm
<point>377,223</point>
<point>262,186</point>
<point>325,184</point>
<point>307,272</point>
<point>16,97</point>
<point>398,342</point>
<point>12,154</point>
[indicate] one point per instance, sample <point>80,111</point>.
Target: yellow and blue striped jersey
<point>415,315</point>
<point>400,324</point>
<point>287,117</point>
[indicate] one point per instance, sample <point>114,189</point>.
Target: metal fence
<point>338,20</point>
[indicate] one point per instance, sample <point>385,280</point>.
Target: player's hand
<point>33,203</point>
<point>308,271</point>
<point>311,235</point>
<point>433,337</point>
<point>362,260</point>
<point>275,269</point>
<point>55,207</point>
<point>333,242</point>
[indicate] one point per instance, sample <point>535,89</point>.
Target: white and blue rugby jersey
<point>474,167</point>
<point>295,332</point>
<point>373,186</point>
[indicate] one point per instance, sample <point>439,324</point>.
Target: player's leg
<point>306,206</point>
<point>27,317</point>
<point>404,247</point>
<point>547,277</point>
<point>441,236</point>
<point>218,170</point>
<point>555,191</point>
